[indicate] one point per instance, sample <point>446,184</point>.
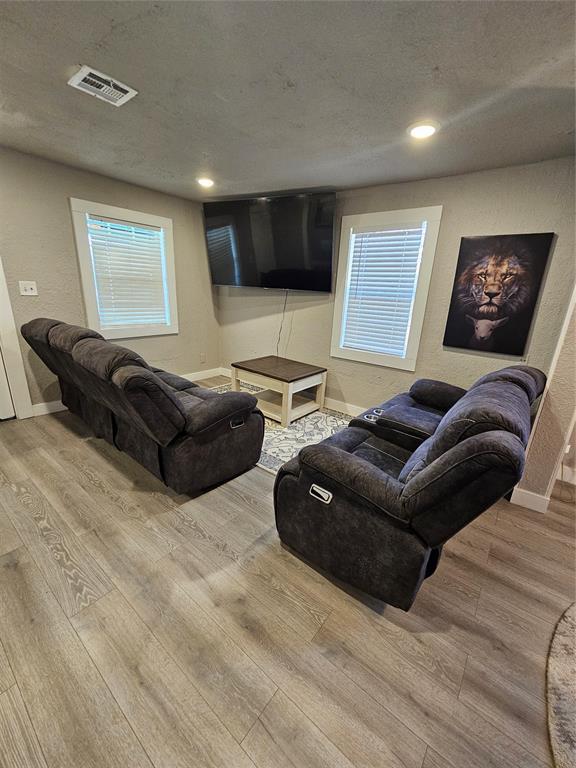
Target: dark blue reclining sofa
<point>373,504</point>
<point>189,437</point>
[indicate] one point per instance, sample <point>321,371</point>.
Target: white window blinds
<point>381,284</point>
<point>129,269</point>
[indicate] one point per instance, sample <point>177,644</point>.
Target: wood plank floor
<point>143,628</point>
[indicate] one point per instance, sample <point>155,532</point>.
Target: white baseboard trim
<point>208,374</point>
<point>333,405</point>
<point>568,474</point>
<point>41,409</point>
<point>347,408</point>
<point>530,500</point>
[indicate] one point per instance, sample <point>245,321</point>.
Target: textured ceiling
<point>267,96</point>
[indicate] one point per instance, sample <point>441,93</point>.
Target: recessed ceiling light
<point>423,130</point>
<point>205,182</point>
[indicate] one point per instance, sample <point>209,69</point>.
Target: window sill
<point>138,332</point>
<point>374,358</point>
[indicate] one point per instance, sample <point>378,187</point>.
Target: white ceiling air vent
<point>102,86</point>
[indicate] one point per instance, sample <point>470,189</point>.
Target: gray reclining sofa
<point>189,437</point>
<point>373,506</point>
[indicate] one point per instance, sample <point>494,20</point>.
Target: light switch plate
<point>28,288</point>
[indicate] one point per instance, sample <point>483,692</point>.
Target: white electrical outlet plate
<point>28,288</point>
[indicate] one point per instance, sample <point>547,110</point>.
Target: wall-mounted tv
<point>272,242</point>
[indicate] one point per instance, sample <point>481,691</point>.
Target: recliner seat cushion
<point>386,456</point>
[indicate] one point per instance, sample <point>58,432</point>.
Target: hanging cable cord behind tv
<point>282,321</point>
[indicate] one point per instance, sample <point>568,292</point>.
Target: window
<point>127,270</point>
<point>384,270</point>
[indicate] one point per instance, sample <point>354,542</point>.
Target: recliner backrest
<point>36,334</point>
<point>61,339</point>
<point>121,380</point>
<point>532,380</point>
<point>499,405</point>
<point>110,375</point>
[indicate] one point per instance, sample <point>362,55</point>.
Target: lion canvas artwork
<point>495,291</point>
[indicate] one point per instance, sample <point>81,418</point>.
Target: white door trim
<point>12,355</point>
<point>535,501</point>
<point>6,404</point>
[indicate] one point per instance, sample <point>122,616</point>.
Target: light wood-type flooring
<point>140,628</point>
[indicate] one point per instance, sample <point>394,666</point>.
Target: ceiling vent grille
<point>102,86</point>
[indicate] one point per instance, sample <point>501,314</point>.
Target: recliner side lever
<point>317,492</point>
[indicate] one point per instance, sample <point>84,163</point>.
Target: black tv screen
<point>272,242</point>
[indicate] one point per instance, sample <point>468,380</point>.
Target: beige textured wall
<point>551,430</point>
<point>531,198</point>
<point>37,243</point>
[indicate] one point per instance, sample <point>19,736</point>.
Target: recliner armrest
<point>465,481</point>
<point>387,428</point>
<point>231,407</point>
<point>357,476</point>
<point>436,394</point>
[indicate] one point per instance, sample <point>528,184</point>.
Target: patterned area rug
<point>561,690</point>
<point>282,443</point>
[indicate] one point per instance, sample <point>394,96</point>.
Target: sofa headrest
<point>64,337</point>
<point>494,405</point>
<point>103,358</point>
<point>38,329</point>
<point>531,380</point>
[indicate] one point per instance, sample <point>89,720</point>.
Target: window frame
<point>81,209</point>
<point>409,216</point>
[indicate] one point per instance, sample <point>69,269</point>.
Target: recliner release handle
<point>320,493</point>
<point>238,421</point>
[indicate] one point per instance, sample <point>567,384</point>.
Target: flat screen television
<point>272,242</point>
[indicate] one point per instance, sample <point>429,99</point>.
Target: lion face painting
<point>495,285</point>
<point>497,280</point>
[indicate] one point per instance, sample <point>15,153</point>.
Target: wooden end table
<point>284,383</point>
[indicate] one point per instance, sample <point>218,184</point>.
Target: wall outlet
<point>28,288</point>
<point>202,357</point>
